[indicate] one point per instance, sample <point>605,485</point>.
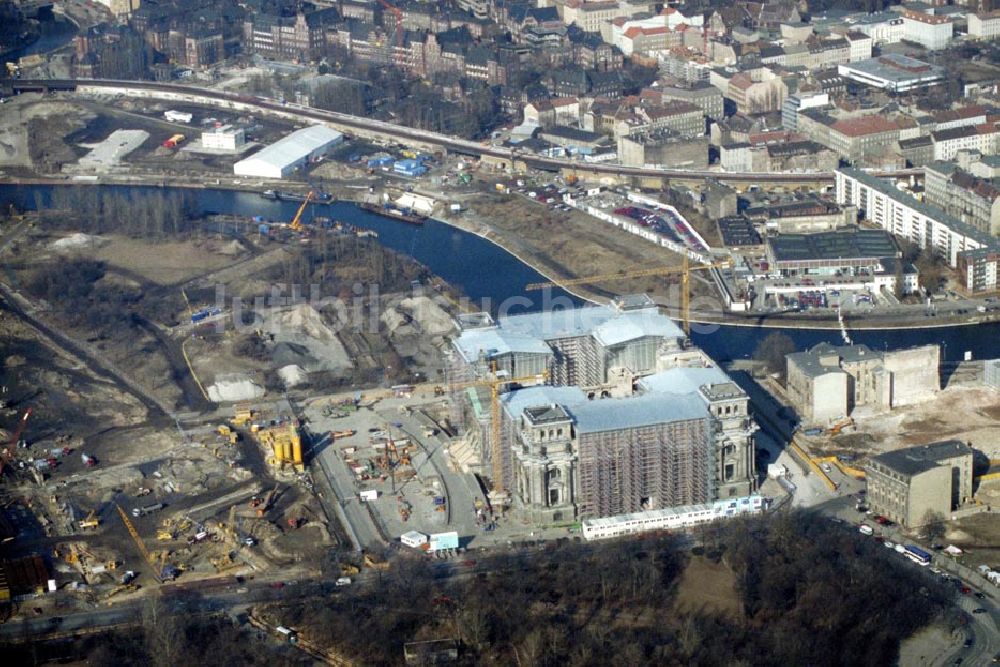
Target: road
<point>348,122</point>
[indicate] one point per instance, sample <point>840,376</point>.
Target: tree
<point>772,351</point>
<point>933,525</point>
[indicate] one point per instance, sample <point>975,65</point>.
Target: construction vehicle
<point>267,502</point>
<point>495,382</point>
<point>119,589</point>
<point>349,569</point>
<point>684,270</point>
<point>841,425</point>
<point>91,521</point>
<point>15,438</point>
<point>13,70</point>
<point>164,535</point>
<point>138,512</point>
<point>174,141</point>
<point>375,562</point>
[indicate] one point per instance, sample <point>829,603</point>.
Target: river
<point>490,275</point>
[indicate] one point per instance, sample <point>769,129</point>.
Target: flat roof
<point>896,68</point>
<point>915,460</point>
<point>616,414</point>
<point>494,342</point>
<point>683,380</point>
<point>295,146</point>
<point>847,245</point>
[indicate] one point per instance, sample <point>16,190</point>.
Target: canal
<point>491,276</point>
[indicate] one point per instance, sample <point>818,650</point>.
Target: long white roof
<point>295,146</point>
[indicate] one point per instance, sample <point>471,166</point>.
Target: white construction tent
<point>285,156</point>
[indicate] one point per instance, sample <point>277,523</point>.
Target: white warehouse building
<point>283,157</point>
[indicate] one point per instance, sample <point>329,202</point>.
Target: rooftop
<point>811,363</point>
<point>896,68</point>
<point>847,245</point>
<point>296,145</point>
<point>915,460</point>
<point>495,342</point>
<point>615,414</point>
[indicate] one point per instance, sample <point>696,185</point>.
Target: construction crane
<point>685,270</point>
<point>495,382</point>
<point>11,448</point>
<point>296,224</point>
<point>138,542</point>
<point>399,20</point>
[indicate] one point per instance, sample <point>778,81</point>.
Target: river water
<point>490,275</point>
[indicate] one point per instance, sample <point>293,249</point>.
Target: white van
<point>344,581</point>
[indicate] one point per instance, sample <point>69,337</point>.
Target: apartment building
<point>984,25</point>
<point>959,193</point>
<point>857,139</point>
<point>903,216</point>
<point>930,31</point>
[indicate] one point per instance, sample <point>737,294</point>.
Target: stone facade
<point>917,485</point>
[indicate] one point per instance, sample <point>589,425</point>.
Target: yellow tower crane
<point>138,542</point>
<point>685,270</point>
<point>296,224</point>
<point>495,382</point>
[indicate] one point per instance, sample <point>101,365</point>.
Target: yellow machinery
<point>375,562</point>
<point>91,521</point>
<point>285,444</point>
<point>684,270</point>
<point>296,224</point>
<point>138,542</point>
<point>495,383</point>
<point>242,416</point>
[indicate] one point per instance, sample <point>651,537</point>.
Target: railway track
<point>403,133</point>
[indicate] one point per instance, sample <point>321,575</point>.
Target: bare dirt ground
<point>569,244</point>
<point>32,129</point>
<point>163,263</point>
<point>969,414</point>
<point>707,587</point>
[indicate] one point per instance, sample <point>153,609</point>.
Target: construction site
<point>152,437</point>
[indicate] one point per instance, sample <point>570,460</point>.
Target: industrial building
<point>828,383</point>
<point>225,138</point>
<point>919,485</point>
<point>637,418</point>
<point>893,72</point>
<point>285,156</point>
<point>849,251</point>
